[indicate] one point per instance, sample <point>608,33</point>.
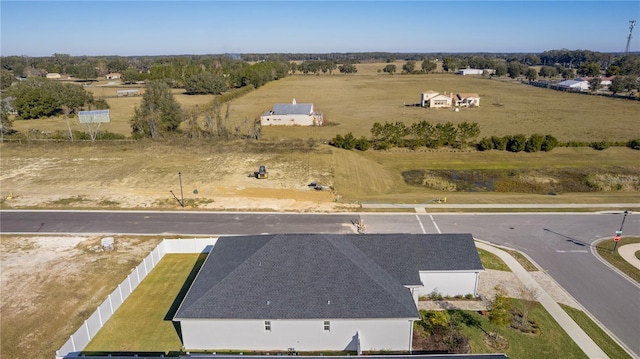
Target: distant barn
<point>292,114</point>
<point>133,92</point>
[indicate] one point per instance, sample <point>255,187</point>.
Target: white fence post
<point>86,326</point>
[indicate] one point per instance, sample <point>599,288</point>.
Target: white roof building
<point>292,114</point>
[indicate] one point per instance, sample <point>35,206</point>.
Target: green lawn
<point>605,250</point>
<point>143,322</point>
<point>602,339</point>
<point>492,261</point>
<point>550,342</point>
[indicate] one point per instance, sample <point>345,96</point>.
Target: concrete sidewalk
<point>628,253</point>
<point>588,346</point>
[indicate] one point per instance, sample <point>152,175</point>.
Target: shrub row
<point>518,143</point>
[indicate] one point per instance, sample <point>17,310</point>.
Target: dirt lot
<point>49,285</point>
<point>136,176</point>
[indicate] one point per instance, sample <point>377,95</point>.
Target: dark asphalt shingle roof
<point>296,276</point>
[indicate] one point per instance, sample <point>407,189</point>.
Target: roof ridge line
<point>331,239</point>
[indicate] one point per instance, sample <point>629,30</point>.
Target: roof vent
<point>328,302</point>
<point>294,101</point>
<point>268,302</point>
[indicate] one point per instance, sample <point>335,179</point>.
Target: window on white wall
<point>327,326</point>
<point>267,325</point>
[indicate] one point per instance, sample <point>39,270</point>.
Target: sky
<point>137,28</point>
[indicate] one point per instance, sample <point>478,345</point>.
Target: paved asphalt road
<point>560,243</point>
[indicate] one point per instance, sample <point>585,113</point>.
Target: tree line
<point>463,135</point>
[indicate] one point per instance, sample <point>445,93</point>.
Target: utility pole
<point>632,24</point>
<point>181,199</point>
<point>182,194</point>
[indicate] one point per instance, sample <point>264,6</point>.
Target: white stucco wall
<point>290,120</point>
<point>449,283</point>
<point>302,335</point>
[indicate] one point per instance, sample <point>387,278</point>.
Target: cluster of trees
<point>39,97</point>
<point>178,70</point>
<point>409,67</point>
<point>160,116</point>
<point>518,143</point>
<point>423,133</point>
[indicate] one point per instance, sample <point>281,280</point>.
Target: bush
<point>549,143</point>
<point>382,145</point>
<point>600,145</point>
<point>110,136</point>
<point>499,143</point>
<point>485,144</point>
<point>534,143</point>
<point>634,144</point>
<point>575,144</point>
<point>363,144</point>
<point>516,143</point>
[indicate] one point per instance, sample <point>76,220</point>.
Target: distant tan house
<point>53,75</point>
<point>292,114</point>
<point>113,76</point>
<point>434,99</point>
<point>467,100</point>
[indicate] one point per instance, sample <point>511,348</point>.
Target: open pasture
<point>353,103</point>
<point>112,172</point>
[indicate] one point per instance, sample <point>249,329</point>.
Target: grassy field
<point>605,249</point>
<point>352,103</point>
<point>492,261</point>
<point>113,169</point>
<point>602,339</point>
<point>143,323</point>
<point>51,284</point>
<point>550,342</point>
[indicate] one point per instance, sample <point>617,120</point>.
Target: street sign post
<point>616,239</point>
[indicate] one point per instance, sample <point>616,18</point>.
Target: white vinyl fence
<point>79,340</point>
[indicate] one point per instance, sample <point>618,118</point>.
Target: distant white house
<point>292,114</point>
<point>574,85</point>
<point>606,81</point>
<point>467,100</point>
<point>53,75</point>
<point>128,92</point>
<point>113,76</point>
<point>470,72</point>
<point>313,292</point>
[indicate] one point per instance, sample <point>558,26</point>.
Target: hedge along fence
<point>81,338</point>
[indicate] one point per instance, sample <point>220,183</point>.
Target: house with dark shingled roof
<point>310,292</point>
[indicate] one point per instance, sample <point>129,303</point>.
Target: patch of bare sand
<point>489,279</point>
<point>48,283</point>
<point>487,282</point>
